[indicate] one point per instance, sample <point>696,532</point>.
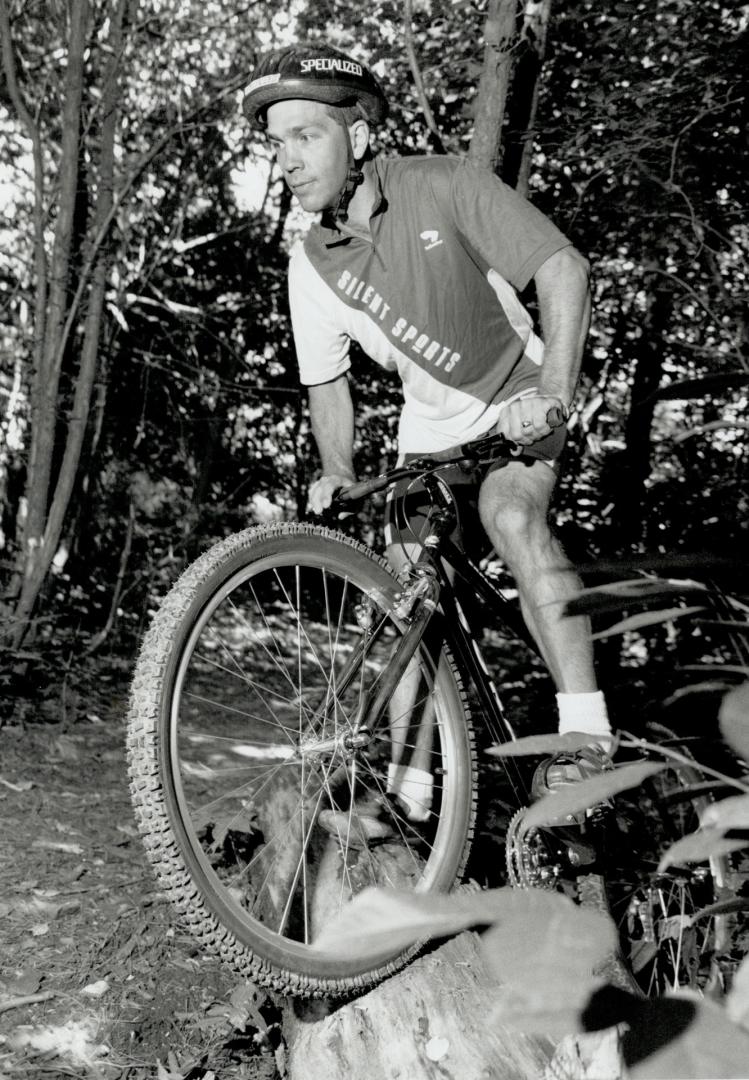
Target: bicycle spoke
<point>268,731</point>
<point>192,696</point>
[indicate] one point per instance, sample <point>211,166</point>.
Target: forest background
<point>149,401</point>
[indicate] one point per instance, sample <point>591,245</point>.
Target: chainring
<point>529,860</point>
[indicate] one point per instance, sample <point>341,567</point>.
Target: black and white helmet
<point>315,73</point>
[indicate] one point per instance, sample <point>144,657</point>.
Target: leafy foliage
<point>196,390</point>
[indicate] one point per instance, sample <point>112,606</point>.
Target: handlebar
<point>471,452</point>
<point>487,447</point>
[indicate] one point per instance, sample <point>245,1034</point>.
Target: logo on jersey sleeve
<point>432,238</point>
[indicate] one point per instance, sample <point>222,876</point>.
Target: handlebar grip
<point>556,416</point>
<point>356,491</point>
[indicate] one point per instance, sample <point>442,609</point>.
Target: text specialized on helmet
<point>332,63</point>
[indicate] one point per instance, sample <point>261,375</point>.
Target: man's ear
<point>359,134</point>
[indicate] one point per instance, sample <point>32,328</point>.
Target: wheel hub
<point>343,745</point>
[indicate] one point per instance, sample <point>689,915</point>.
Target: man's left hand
<point>526,420</point>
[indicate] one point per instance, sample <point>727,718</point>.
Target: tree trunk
<point>32,130</point>
<point>630,511</point>
<point>47,371</point>
<point>432,1021</point>
<point>500,38</point>
<point>46,537</point>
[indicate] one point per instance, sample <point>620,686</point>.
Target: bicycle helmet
<point>316,73</point>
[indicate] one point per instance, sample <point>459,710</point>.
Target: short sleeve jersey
<point>432,295</point>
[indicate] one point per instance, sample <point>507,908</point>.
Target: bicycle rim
<point>670,933</point>
<point>259,735</point>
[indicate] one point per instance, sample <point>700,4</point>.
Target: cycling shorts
<point>408,504</point>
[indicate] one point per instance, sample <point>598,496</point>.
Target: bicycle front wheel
<point>244,730</point>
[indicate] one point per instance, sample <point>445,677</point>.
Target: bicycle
<point>263,695</point>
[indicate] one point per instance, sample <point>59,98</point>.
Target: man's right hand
<point>322,491</point>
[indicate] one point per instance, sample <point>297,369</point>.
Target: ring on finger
<point>526,424</point>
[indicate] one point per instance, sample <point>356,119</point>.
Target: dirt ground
<point>96,979</point>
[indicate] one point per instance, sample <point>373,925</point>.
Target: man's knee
<point>516,529</point>
<point>514,512</point>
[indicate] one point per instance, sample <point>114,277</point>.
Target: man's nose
<point>291,161</point>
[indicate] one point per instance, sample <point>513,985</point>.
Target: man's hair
<point>345,115</point>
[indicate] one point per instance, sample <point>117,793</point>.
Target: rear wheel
<point>675,926</point>
<point>245,725</point>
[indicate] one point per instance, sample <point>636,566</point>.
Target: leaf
<point>737,1002</point>
<point>645,618</point>
<point>698,387</point>
<point>173,1072</point>
<point>21,785</point>
<point>618,595</point>
<point>59,845</point>
<point>381,922</point>
<point>556,807</point>
<point>65,748</point>
<point>711,686</point>
<point>641,953</point>
<point>699,847</point>
<point>26,982</point>
<point>540,744</point>
<point>544,950</point>
<point>685,1038</point>
<point>166,1074</point>
<point>705,563</point>
<point>714,425</point>
<point>731,813</point>
<point>716,669</point>
<point>734,720</point>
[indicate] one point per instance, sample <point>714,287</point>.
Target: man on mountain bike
<point>420,260</point>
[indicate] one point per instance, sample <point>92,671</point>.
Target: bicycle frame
<point>431,587</point>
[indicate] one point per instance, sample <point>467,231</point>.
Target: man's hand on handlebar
<point>528,419</point>
<point>322,491</point>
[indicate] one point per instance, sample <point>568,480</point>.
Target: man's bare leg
<point>514,503</point>
<point>412,737</point>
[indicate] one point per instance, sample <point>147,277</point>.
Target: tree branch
<point>699,301</point>
<point>22,111</point>
<point>500,37</point>
<point>535,26</point>
<point>416,72</point>
<point>695,120</point>
<point>119,199</point>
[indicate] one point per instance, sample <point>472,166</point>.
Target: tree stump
<point>431,1021</point>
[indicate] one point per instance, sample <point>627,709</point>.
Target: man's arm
<point>332,415</point>
<point>564,309</point>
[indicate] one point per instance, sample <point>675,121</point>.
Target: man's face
<point>311,149</point>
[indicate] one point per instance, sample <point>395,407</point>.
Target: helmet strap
<point>354,178</point>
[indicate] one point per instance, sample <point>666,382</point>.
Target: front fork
<point>414,606</point>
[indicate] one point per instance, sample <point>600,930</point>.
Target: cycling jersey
<point>432,295</point>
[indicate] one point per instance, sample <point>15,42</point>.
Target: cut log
<point>431,1021</point>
